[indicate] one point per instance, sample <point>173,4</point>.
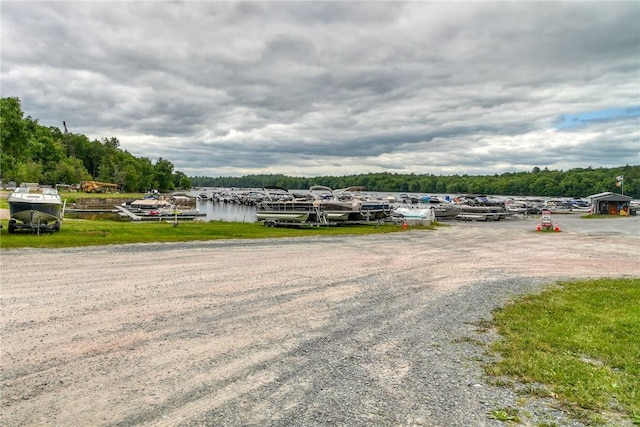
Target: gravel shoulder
<point>353,331</point>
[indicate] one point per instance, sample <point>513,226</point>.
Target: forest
<point>537,182</point>
<point>31,152</point>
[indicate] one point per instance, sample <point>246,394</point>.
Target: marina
<point>321,205</point>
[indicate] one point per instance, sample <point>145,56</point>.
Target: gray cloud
<point>333,88</point>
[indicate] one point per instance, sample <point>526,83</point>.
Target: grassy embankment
<point>578,343</point>
<point>91,233</point>
<point>76,232</point>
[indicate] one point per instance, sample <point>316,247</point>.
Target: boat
<point>284,212</point>
<point>369,208</point>
<point>178,200</point>
<point>559,206</point>
<point>147,205</point>
<point>445,211</point>
<point>375,209</point>
<point>278,205</point>
<point>34,207</point>
<point>580,205</point>
<point>412,213</point>
<point>321,205</point>
<point>335,209</point>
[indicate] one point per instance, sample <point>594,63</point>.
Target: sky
<point>317,88</point>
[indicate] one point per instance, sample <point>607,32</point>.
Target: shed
<point>610,203</point>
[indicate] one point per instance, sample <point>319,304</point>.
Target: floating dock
<point>190,216</point>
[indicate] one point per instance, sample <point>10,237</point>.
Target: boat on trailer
<point>369,208</point>
<point>335,209</point>
<point>321,206</point>
<point>35,208</point>
<point>280,206</point>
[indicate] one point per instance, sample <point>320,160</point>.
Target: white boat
<point>559,206</point>
<point>333,208</point>
<point>445,211</point>
<point>369,208</point>
<point>283,215</point>
<point>279,205</point>
<point>34,207</point>
<point>411,213</point>
<point>321,206</point>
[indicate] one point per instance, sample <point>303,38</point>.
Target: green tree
<point>163,175</point>
<point>29,171</point>
<point>69,170</point>
<point>13,135</point>
<point>180,180</point>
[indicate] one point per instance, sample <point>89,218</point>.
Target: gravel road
<point>335,331</point>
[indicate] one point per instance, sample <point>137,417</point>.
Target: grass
<point>601,216</point>
<point>76,232</point>
<point>505,415</point>
<point>581,342</point>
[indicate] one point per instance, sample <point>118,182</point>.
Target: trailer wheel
<point>12,226</point>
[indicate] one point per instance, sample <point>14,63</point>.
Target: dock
<point>126,212</point>
<point>161,217</point>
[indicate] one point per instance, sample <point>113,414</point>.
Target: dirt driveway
<point>371,330</point>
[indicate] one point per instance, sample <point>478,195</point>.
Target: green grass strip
<point>581,340</point>
<point>76,232</point>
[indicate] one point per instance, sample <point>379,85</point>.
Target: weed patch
<point>505,414</point>
<point>580,342</point>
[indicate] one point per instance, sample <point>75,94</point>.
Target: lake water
<point>218,211</point>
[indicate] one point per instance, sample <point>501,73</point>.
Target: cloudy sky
<point>335,88</point>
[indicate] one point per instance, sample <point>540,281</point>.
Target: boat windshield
<point>45,190</point>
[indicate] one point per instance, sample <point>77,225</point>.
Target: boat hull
<point>35,212</point>
<point>284,216</point>
<point>34,208</point>
<point>339,215</point>
<point>28,208</point>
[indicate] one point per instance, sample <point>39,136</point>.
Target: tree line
<point>537,182</point>
<point>31,152</point>
<point>47,155</point>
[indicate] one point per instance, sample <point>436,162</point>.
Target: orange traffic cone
<point>538,228</point>
<point>405,225</point>
<point>557,227</point>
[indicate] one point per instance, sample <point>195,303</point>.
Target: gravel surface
<point>379,330</point>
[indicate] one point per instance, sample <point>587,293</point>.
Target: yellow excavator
<point>98,187</point>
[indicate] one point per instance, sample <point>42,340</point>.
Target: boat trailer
<point>33,226</point>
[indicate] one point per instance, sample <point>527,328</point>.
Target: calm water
<point>217,211</point>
